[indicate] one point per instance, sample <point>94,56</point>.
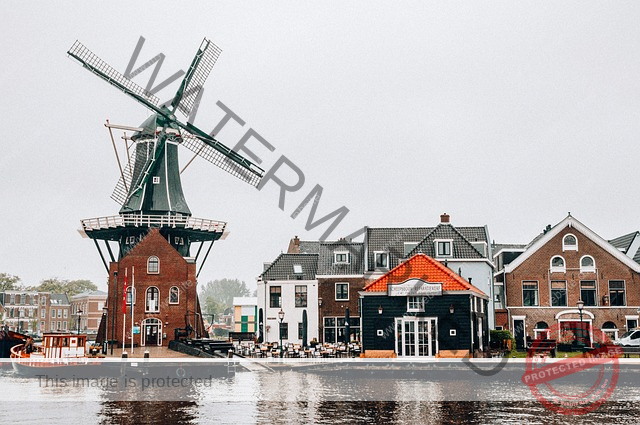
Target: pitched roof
<point>59,299</point>
<point>391,240</point>
<point>309,247</point>
<point>540,240</point>
<point>462,248</point>
<point>282,267</point>
<point>624,242</point>
<point>422,267</point>
<point>327,266</point>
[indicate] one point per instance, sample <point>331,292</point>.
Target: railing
<point>152,220</point>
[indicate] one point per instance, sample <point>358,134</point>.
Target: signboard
<point>413,288</point>
<point>136,330</point>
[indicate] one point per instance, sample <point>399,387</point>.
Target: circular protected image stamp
<point>573,385</point>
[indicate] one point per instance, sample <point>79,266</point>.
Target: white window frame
<point>375,259</point>
<point>566,247</point>
<point>177,290</point>
<point>340,253</point>
<point>416,304</point>
<point>537,300</point>
<point>149,271</point>
<point>624,284</point>
<point>336,291</point>
<point>587,269</point>
<point>412,246</point>
<point>146,300</point>
<point>436,242</point>
<point>558,269</point>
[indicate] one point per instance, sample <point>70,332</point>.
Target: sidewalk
<point>155,352</point>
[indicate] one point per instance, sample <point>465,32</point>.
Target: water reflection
<point>148,412</point>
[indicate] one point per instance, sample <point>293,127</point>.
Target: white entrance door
<point>416,336</point>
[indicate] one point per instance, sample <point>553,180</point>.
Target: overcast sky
<point>507,114</point>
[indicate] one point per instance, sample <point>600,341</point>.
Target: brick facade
<point>536,269</point>
<point>158,317</point>
<point>336,308</point>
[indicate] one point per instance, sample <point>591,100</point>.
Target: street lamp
<point>281,317</point>
<point>580,305</point>
<point>105,314</point>
<point>79,312</point>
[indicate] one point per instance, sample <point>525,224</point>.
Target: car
<point>629,339</point>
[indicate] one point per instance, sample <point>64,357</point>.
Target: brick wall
<point>537,268</point>
<point>174,270</point>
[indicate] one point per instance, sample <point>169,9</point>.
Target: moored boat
<point>57,350</point>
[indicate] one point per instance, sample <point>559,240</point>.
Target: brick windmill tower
<point>148,248</point>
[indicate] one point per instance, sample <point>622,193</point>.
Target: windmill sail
<point>196,76</point>
<point>202,149</point>
<point>103,70</point>
<point>153,185</point>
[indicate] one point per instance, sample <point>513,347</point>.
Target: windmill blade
<point>105,71</point>
<point>197,145</point>
<point>121,191</point>
<point>195,77</point>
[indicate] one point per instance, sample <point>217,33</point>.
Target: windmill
<point>149,189</point>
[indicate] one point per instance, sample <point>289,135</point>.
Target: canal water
<point>289,396</point>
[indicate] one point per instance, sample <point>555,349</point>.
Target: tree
<point>69,287</point>
<point>9,282</point>
<point>217,295</point>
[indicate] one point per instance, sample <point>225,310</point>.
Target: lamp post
<point>580,305</point>
<point>105,314</point>
<point>281,317</point>
<point>79,312</point>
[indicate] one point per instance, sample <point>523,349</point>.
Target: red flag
<point>124,296</point>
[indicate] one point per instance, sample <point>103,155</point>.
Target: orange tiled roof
<point>423,267</point>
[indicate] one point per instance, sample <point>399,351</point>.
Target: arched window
<point>153,265</point>
<point>569,243</point>
<point>587,264</point>
<point>130,291</point>
<point>541,330</point>
<point>153,295</point>
<point>558,264</point>
<point>174,295</point>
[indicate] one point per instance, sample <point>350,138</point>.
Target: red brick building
<point>567,263</point>
<point>164,288</point>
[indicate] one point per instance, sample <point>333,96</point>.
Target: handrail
<point>153,220</point>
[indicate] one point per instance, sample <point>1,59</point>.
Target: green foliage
<point>69,287</point>
<point>9,282</point>
<point>503,335</point>
<point>217,295</point>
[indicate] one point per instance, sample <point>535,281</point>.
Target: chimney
<point>294,246</point>
<point>444,218</point>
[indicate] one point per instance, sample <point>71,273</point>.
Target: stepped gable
<point>422,267</point>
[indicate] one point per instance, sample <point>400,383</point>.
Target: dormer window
<point>153,265</point>
<point>558,264</point>
<point>381,259</point>
<point>297,271</point>
<point>587,264</point>
<point>569,243</point>
<point>408,247</point>
<point>341,257</point>
<point>443,248</point>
